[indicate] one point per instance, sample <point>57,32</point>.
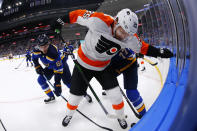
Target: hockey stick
<point>113,116</point>
<point>78,110</point>
<point>3,125</point>
<point>19,64</point>
<point>150,62</point>
<point>136,114</point>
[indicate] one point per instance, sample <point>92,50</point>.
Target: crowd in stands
<point>19,47</point>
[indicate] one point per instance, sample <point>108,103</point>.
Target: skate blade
<point>50,102</point>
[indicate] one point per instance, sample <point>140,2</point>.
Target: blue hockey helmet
<point>42,40</point>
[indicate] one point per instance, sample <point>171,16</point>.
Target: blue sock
<point>137,101</point>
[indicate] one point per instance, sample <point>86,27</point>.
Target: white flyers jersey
<point>100,45</point>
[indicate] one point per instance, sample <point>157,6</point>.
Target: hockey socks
<point>45,86</point>
<point>137,101</point>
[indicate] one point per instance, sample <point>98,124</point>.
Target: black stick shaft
<point>3,125</point>
<point>136,114</point>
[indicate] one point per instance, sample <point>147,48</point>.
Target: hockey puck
<point>132,124</point>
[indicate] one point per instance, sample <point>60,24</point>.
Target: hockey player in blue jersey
<point>68,50</point>
<point>28,57</point>
<point>52,59</point>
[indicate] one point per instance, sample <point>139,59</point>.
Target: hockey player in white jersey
<point>106,36</point>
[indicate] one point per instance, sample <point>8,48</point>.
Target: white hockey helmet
<point>128,20</point>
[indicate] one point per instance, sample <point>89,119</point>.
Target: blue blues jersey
<point>28,53</point>
<point>67,51</point>
<point>123,59</point>
<point>52,59</point>
<point>68,48</point>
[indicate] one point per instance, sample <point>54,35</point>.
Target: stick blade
<point>154,64</point>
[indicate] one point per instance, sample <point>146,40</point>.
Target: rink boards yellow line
<point>12,59</point>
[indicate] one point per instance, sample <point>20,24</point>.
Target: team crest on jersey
<point>105,45</point>
<point>113,50</point>
<point>87,14</point>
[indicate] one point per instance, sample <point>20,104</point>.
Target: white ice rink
<point>22,107</point>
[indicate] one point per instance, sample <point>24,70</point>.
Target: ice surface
<point>22,107</point>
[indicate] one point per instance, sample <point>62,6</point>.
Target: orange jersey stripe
<point>73,15</point>
<point>37,67</point>
<point>88,61</point>
<point>144,48</point>
<point>119,106</point>
<point>71,107</point>
<point>58,85</point>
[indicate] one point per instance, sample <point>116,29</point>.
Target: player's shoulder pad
<point>52,53</point>
<point>36,51</point>
<point>104,17</point>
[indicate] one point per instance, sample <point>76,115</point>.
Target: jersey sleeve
<point>144,46</point>
<point>134,44</point>
<point>35,56</point>
<point>54,58</point>
<point>148,50</point>
<point>88,18</point>
<point>52,54</point>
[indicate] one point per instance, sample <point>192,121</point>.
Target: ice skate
<point>122,123</point>
<point>49,100</point>
<point>88,98</point>
<point>66,120</point>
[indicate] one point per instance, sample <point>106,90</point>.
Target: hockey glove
<point>39,70</point>
<point>55,26</point>
<point>159,52</point>
<point>58,89</point>
<point>165,53</point>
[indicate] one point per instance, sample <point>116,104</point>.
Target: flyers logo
<point>105,45</point>
<point>87,14</point>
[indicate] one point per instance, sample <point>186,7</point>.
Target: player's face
<point>121,34</point>
<point>44,48</point>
